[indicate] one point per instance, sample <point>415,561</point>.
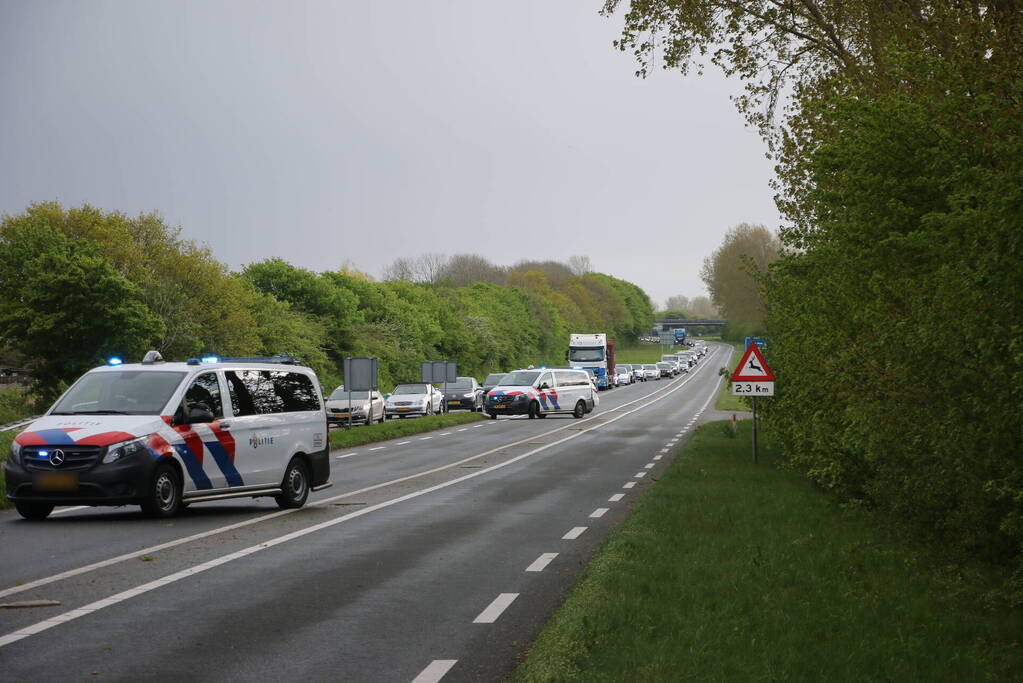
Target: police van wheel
<point>580,410</point>
<point>164,496</point>
<point>30,509</point>
<point>295,486</point>
<point>534,410</point>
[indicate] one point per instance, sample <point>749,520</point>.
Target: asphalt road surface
<point>434,557</point>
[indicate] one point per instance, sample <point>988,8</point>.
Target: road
<point>438,556</point>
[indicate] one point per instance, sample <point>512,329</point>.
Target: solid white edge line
<point>540,563</point>
<point>599,512</point>
<point>616,497</point>
<point>25,632</point>
<point>574,533</point>
<point>495,609</point>
<point>435,671</point>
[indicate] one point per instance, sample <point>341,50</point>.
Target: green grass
<point>727,571</point>
<point>725,399</point>
<point>392,429</point>
<point>642,353</point>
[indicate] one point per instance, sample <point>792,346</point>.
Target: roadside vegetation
<point>641,352</point>
<point>893,294</point>
<point>728,571</point>
<point>6,439</point>
<point>725,399</point>
<point>393,429</point>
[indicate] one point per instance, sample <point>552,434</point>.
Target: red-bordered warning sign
<point>752,367</point>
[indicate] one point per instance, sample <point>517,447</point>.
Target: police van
<point>538,393</point>
<point>166,434</point>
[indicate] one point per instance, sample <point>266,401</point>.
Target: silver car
<point>366,407</point>
<point>414,399</point>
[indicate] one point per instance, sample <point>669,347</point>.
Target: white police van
<point>538,393</point>
<point>163,435</point>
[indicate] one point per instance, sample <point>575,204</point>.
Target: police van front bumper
<point>118,483</point>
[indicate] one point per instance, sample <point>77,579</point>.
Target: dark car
<point>464,393</point>
<point>492,380</point>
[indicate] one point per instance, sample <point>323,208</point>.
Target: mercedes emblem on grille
<point>56,457</point>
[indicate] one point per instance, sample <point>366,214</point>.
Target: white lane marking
<point>648,466</point>
<point>426,438</point>
<point>70,509</point>
<point>435,671</point>
<point>616,497</point>
<point>494,609</point>
<point>255,520</point>
<point>444,434</point>
<point>402,443</point>
<point>346,455</point>
<point>658,457</point>
<point>378,448</point>
<point>599,512</point>
<point>540,563</point>
<point>665,450</point>
<point>628,484</point>
<point>463,429</point>
<point>477,426</point>
<point>639,475</point>
<point>574,533</point>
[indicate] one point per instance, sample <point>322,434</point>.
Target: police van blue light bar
<point>114,360</point>
<point>210,359</point>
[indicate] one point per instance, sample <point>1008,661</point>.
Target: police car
<point>538,393</point>
<point>163,435</point>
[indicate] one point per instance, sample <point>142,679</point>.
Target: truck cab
<point>595,352</point>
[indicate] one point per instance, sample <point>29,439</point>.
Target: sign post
<point>360,374</point>
<point>440,372</point>
<point>753,377</point>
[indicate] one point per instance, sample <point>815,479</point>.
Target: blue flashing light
<point>543,367</point>
<point>44,454</point>
<point>114,360</point>
<point>210,359</point>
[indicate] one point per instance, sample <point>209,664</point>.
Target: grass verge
<point>728,571</point>
<point>725,399</point>
<point>393,429</point>
<point>642,353</point>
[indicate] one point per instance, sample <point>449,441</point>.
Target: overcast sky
<point>326,131</point>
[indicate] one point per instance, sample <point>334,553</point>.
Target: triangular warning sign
<point>752,367</point>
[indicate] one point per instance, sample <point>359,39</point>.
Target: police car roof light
<point>285,360</point>
<point>114,360</point>
<point>152,357</point>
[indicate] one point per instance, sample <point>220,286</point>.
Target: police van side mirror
<point>199,414</point>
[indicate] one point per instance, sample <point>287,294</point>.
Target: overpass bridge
<point>671,323</point>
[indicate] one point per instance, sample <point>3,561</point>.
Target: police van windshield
<point>520,378</point>
<point>586,354</point>
<point>125,392</point>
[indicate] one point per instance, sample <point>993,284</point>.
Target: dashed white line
<point>378,448</point>
<point>464,429</point>
<point>574,533</point>
<point>444,434</point>
<point>540,563</point>
<point>630,484</point>
<point>639,475</point>
<point>665,450</point>
<point>426,438</point>
<point>435,671</point>
<point>494,609</point>
<point>616,497</point>
<point>658,457</point>
<point>477,426</point>
<point>648,466</point>
<point>599,512</point>
<point>402,443</point>
<point>347,455</point>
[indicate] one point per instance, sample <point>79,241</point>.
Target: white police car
<point>163,435</point>
<point>538,393</point>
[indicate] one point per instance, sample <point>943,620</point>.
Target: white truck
<point>593,351</point>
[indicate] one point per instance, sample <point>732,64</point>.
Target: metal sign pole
<point>754,430</point>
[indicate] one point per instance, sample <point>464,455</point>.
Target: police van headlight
<point>124,449</point>
<point>16,452</point>
<point>520,398</point>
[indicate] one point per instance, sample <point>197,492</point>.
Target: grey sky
<point>326,131</point>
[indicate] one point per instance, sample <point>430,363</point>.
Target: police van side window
<point>295,391</point>
<point>205,391</point>
<point>547,378</point>
<point>252,392</point>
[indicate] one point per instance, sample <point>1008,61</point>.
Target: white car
<point>365,409</point>
<point>651,371</point>
<point>164,435</point>
<point>623,374</point>
<point>538,393</point>
<point>414,399</point>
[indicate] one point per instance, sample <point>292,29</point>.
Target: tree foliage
<point>733,271</point>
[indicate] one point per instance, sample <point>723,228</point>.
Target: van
<point>538,393</point>
<point>163,435</point>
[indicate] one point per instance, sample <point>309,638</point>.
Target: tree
<point>731,273</point>
<point>580,265</point>
<point>65,308</point>
<point>465,269</point>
